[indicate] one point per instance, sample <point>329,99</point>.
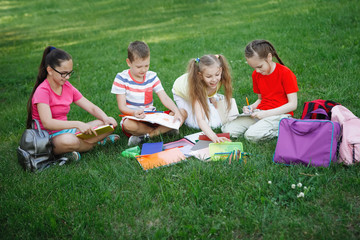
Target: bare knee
<point>131,127</point>
<point>65,143</point>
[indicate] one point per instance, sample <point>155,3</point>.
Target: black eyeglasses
<point>63,75</point>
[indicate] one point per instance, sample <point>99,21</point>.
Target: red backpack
<point>327,105</point>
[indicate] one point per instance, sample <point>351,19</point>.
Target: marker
<point>247,101</point>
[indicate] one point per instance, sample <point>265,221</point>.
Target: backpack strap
<point>320,111</point>
<point>38,128</point>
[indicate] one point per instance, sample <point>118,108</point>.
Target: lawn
<point>106,196</point>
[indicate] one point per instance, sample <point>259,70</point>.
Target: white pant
<point>254,129</point>
<point>214,121</point>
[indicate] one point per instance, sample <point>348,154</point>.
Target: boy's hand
<point>139,114</point>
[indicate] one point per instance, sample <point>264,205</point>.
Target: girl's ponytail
<point>51,57</point>
<point>226,80</point>
<point>196,86</point>
<point>262,48</point>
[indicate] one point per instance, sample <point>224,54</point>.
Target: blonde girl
<point>196,92</point>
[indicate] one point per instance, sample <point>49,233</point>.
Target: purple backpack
<point>308,142</point>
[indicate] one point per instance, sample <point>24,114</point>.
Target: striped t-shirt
<point>138,94</point>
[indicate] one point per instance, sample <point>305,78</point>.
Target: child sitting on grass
<point>196,93</point>
<point>50,102</point>
<point>134,89</point>
<point>276,87</point>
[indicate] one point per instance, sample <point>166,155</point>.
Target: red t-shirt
<point>274,87</point>
<point>59,104</point>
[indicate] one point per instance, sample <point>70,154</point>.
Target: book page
<point>159,118</point>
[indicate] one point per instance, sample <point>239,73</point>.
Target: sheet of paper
<point>159,118</point>
<point>193,137</point>
<point>200,145</point>
<point>201,154</point>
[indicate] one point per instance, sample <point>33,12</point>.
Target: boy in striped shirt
<point>134,89</point>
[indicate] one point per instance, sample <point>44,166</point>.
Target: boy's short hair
<point>138,49</point>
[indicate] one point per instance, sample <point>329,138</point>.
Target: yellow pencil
<point>247,101</point>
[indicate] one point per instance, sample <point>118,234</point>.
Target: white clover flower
<point>305,187</point>
<point>293,186</point>
<point>301,194</point>
<point>299,184</point>
<point>269,182</point>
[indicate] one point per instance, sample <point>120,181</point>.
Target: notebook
<point>99,130</point>
<point>193,137</point>
<point>183,144</point>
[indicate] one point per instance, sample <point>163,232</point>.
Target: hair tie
<point>197,60</point>
<point>217,55</point>
<point>52,48</point>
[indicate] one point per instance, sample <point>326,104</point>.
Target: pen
<point>247,101</point>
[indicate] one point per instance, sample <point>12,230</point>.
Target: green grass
<point>106,196</point>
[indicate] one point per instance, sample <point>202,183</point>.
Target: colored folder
<point>150,148</point>
<point>164,158</point>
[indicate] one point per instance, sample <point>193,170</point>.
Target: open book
<point>159,118</point>
<point>99,130</point>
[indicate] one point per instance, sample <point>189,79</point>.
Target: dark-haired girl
<point>50,101</point>
<point>276,87</point>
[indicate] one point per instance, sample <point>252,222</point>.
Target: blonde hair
<point>197,66</point>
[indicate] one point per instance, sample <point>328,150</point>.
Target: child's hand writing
<point>247,109</point>
<point>139,114</point>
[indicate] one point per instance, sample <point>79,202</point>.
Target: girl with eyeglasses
<point>50,102</point>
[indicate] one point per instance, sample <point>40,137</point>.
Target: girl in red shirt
<point>276,87</point>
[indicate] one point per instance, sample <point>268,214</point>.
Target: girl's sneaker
<point>111,138</point>
<point>73,156</point>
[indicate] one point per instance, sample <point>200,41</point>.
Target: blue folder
<point>150,148</point>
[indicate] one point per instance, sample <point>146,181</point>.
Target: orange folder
<point>163,158</point>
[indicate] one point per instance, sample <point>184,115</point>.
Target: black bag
<point>35,150</point>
